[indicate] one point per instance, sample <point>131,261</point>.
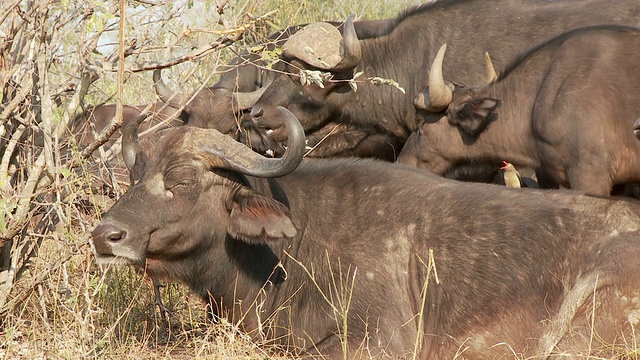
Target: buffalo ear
<point>476,115</point>
<point>257,219</point>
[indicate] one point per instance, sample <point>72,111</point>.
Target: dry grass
<point>78,311</point>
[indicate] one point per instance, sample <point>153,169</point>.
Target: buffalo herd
<point>281,204</point>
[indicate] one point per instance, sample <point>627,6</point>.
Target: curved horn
<point>490,70</point>
<point>167,95</point>
<point>236,156</point>
<point>130,139</point>
<point>246,100</point>
<point>350,50</point>
<point>440,94</point>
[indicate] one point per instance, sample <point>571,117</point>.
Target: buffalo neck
<point>405,56</point>
<point>469,28</point>
<point>517,90</point>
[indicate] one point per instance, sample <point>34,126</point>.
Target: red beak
<point>505,165</point>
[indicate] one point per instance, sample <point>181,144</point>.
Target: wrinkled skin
<point>470,28</point>
<point>540,115</point>
<point>506,283</point>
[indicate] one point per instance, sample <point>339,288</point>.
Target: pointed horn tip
<point>130,139</point>
<point>350,48</point>
<point>491,73</point>
<point>440,93</point>
<point>442,50</point>
<point>296,136</point>
<point>135,123</point>
<point>291,122</point>
<point>157,78</point>
<point>246,100</point>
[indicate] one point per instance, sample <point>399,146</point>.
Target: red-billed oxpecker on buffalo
<point>274,244</point>
<point>511,175</point>
<point>564,109</point>
<point>225,105</point>
<point>504,28</point>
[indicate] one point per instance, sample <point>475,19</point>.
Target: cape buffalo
<point>504,28</point>
<point>393,260</point>
<point>225,105</point>
<point>564,108</point>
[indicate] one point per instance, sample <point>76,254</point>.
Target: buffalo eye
<point>180,179</point>
<point>179,187</point>
<point>182,185</point>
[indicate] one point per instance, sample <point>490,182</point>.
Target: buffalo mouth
<point>114,260</point>
<point>277,134</point>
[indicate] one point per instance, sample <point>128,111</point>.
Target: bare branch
<point>40,278</point>
<point>117,121</point>
<point>9,10</point>
<point>227,38</point>
<point>19,97</point>
<point>21,217</point>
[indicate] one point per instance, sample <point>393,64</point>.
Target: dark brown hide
<point>214,107</point>
<point>567,107</point>
<point>504,28</point>
<point>516,268</point>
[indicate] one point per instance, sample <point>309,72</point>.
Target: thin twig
<point>39,279</point>
<point>229,37</point>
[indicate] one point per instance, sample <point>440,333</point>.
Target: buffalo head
<point>201,173</point>
<point>471,114</point>
<point>321,48</point>
<point>450,117</point>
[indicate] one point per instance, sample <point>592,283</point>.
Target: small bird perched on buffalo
<point>511,175</point>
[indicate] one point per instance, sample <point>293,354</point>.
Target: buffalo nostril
<point>116,235</point>
<point>108,232</point>
<point>105,236</point>
<point>256,112</point>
